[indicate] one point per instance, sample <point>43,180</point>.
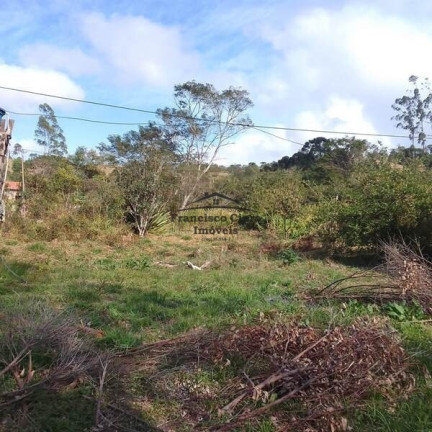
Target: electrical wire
<point>277,136</point>
<point>139,124</point>
<point>82,119</point>
<point>207,120</point>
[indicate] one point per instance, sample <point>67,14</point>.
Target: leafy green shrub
<point>253,222</point>
<point>288,257</point>
<point>137,263</point>
<point>159,223</point>
<point>294,228</point>
<point>380,202</point>
<point>404,311</point>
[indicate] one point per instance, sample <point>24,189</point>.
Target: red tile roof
<point>13,186</point>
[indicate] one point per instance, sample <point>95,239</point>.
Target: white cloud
<point>387,50</point>
<point>293,60</point>
<point>272,92</point>
<point>136,49</point>
<point>339,114</point>
<point>72,61</point>
<point>358,51</point>
<point>336,47</point>
<point>257,147</point>
<point>29,145</point>
<point>38,80</point>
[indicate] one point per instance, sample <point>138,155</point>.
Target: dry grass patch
<point>307,378</point>
<point>405,275</point>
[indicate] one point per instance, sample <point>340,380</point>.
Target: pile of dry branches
<point>41,349</point>
<point>411,270</point>
<point>48,334</point>
<point>405,275</point>
<point>320,371</point>
<point>47,350</point>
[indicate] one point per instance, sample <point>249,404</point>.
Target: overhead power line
<point>277,136</point>
<point>333,132</point>
<point>192,118</point>
<point>139,124</point>
<point>79,100</point>
<point>82,119</point>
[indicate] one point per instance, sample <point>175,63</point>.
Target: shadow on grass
<point>349,258</point>
<point>12,275</point>
<point>134,316</point>
<point>360,260</point>
<point>69,411</point>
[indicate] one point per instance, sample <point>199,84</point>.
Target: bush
<point>378,203</point>
<point>288,257</point>
<point>62,225</point>
<point>253,222</point>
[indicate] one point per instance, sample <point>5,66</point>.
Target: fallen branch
<point>355,275</point>
<point>195,267</point>
<point>164,264</point>
<point>273,378</point>
<point>282,361</point>
<point>256,413</point>
<point>126,414</point>
<point>16,399</point>
<point>18,358</point>
<point>102,377</point>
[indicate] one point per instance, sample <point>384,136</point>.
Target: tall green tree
<point>135,145</point>
<point>49,134</point>
<point>414,110</point>
<point>203,121</point>
<point>324,160</point>
<point>145,186</point>
<point>145,162</point>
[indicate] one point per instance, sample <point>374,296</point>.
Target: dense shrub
<point>63,225</point>
<point>381,201</point>
<point>253,222</point>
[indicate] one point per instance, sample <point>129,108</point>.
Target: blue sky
<point>335,65</point>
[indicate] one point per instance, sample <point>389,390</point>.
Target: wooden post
<point>5,136</point>
<point>23,204</point>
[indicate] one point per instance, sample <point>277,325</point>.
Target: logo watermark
<point>213,216</point>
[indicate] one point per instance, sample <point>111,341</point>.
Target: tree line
<point>343,191</point>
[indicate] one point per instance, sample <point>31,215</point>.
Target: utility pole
<point>6,126</point>
<point>23,203</point>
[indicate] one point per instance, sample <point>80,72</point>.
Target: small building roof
<point>13,186</point>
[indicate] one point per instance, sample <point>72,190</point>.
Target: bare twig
<point>104,365</point>
<point>16,399</point>
<point>240,419</point>
<point>18,358</point>
<point>273,378</point>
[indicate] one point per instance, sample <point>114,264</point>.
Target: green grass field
<point>126,291</point>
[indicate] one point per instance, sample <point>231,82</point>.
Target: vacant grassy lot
<point>140,291</point>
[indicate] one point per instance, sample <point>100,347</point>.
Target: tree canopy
<point>49,134</point>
